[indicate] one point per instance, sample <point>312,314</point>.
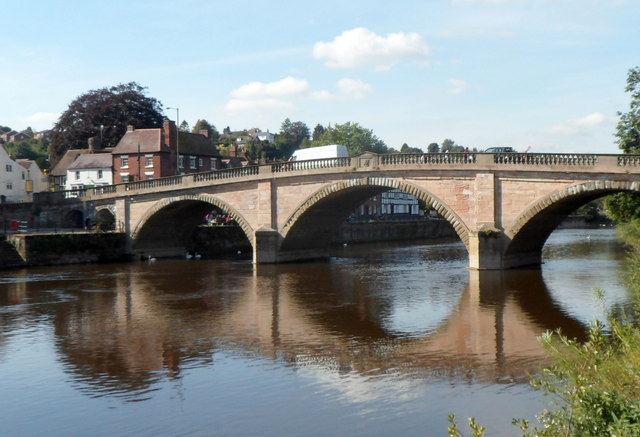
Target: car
<point>499,150</point>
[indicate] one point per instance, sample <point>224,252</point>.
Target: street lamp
<point>177,139</point>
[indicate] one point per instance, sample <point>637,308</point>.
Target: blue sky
<point>544,74</point>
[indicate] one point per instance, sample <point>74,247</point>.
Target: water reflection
<point>119,329</point>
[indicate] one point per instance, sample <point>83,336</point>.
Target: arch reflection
<point>122,328</point>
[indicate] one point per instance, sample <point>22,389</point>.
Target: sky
<point>546,76</point>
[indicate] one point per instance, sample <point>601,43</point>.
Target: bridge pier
<point>486,249</point>
<point>265,247</point>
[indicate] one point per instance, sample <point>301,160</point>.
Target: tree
<point>433,148</point>
<point>406,149</point>
<point>184,126</point>
<point>628,129</point>
<point>624,207</point>
<point>211,129</point>
<point>295,133</point>
<point>357,138</point>
<point>317,132</point>
<point>104,113</point>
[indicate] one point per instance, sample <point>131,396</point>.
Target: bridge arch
<point>180,215</point>
<point>328,207</point>
<point>534,225</point>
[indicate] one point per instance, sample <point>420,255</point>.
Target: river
<point>380,340</point>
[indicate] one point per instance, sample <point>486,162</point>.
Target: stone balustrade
<point>467,161</point>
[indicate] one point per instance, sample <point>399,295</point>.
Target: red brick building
<point>144,154</point>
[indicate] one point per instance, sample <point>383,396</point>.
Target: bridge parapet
<point>428,158</point>
<point>312,164</point>
<point>547,162</point>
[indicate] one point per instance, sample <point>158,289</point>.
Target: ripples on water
<point>381,340</point>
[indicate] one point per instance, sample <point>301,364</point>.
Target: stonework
<point>293,207</point>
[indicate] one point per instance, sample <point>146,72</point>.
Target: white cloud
<point>458,86</point>
<point>354,88</point>
<point>360,46</point>
<point>289,86</point>
<point>268,95</point>
<point>283,94</point>
<point>581,124</point>
<point>42,118</point>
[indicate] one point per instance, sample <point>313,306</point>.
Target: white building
<point>90,170</point>
<point>13,179</point>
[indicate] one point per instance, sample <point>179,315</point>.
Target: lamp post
<point>177,139</point>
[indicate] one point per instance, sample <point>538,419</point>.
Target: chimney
<point>170,133</point>
<point>204,132</point>
<point>233,150</point>
<point>130,128</point>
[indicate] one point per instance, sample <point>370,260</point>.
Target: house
<point>144,154</point>
<point>58,174</point>
<point>390,205</point>
<point>5,136</point>
<point>36,180</point>
<point>89,170</point>
<point>18,179</point>
<point>12,135</point>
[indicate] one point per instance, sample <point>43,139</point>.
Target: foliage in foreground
<point>595,385</point>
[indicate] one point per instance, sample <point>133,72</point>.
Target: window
<point>9,186</point>
<point>124,161</point>
<point>181,162</point>
<point>148,174</point>
<point>214,163</point>
<point>99,174</point>
<point>77,175</point>
<point>200,162</point>
<point>8,167</point>
<point>148,160</point>
<point>192,162</point>
<point>22,175</point>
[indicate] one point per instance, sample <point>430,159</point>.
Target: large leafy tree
<point>292,136</point>
<point>624,207</point>
<point>104,113</point>
<point>357,138</point>
<point>205,125</point>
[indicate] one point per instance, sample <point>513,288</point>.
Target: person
<point>87,224</point>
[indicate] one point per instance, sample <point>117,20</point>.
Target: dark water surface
<point>382,340</point>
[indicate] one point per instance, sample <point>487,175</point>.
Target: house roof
<point>141,140</point>
<point>92,160</point>
<point>151,141</point>
<point>197,144</point>
<point>71,155</point>
<point>60,169</point>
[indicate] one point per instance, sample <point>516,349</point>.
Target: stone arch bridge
<point>502,206</point>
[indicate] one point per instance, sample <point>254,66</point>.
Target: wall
<point>80,248</point>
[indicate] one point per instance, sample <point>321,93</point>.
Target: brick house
<point>144,154</point>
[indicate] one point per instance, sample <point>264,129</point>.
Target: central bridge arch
<point>306,232</point>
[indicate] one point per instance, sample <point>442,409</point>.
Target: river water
<point>381,340</point>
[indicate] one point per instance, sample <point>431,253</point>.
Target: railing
<point>546,159</point>
<point>105,189</point>
<point>480,159</point>
<point>311,164</point>
<point>153,183</point>
<point>428,158</point>
<point>226,173</point>
<point>629,160</point>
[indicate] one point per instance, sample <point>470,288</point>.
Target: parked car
<point>499,150</point>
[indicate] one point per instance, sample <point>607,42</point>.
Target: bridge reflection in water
<point>133,325</point>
